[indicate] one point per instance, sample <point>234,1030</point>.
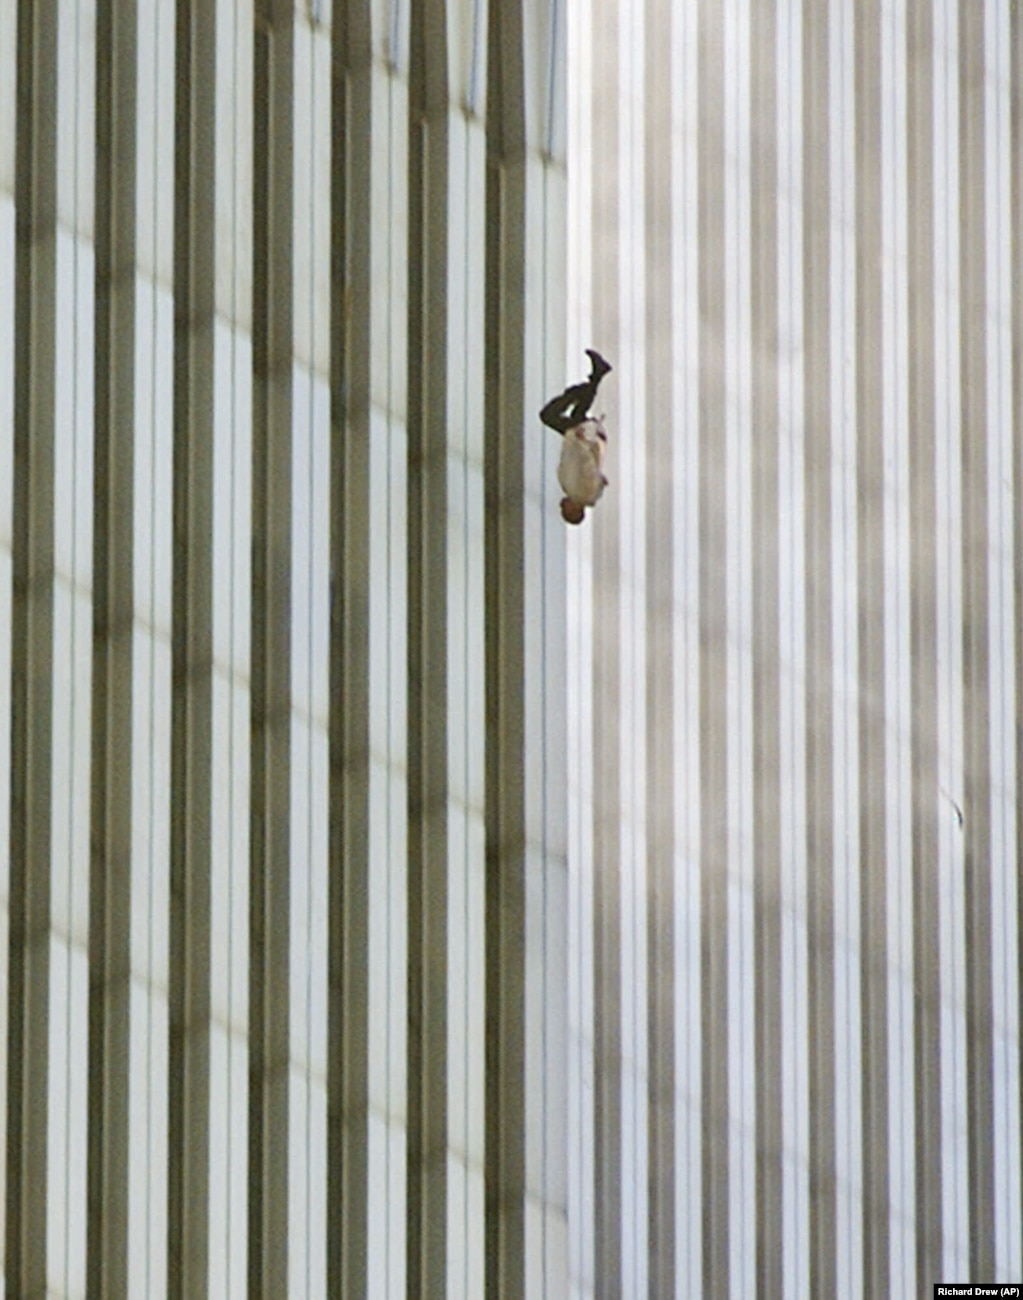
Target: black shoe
<point>600,366</point>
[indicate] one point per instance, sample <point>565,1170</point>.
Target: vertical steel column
<point>270,810</point>
<point>113,615</point>
<point>32,650</point>
<point>976,634</point>
<point>192,653</point>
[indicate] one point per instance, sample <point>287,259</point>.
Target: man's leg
<point>562,412</point>
<point>579,397</point>
<point>598,366</point>
<point>588,391</point>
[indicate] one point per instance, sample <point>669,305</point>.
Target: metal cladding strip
<point>1016,227</point>
<point>973,166</point>
<point>921,268</point>
<point>660,671</point>
<point>734,495</point>
<point>766,283</point>
<point>715,933</point>
<point>872,758</point>
<point>428,900</point>
<point>1002,438</point>
<point>270,813</point>
<point>610,1231</point>
<point>629,407</point>
<point>112,702</point>
<point>35,295</point>
<point>192,653</point>
<point>822,878</point>
<point>843,566</point>
<point>687,80</point>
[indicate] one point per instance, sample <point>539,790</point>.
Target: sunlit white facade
<point>795,648</point>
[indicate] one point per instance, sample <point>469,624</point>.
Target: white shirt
<point>581,471</point>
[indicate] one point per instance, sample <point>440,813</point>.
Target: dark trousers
<point>569,408</point>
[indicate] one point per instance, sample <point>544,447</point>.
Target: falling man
<point>584,442</point>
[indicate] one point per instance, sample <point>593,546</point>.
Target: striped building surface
<point>283,878</point>
<point>396,900</point>
<point>795,648</point>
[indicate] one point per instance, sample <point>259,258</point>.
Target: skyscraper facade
<point>282,786</point>
<point>403,894</point>
<point>795,647</point>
